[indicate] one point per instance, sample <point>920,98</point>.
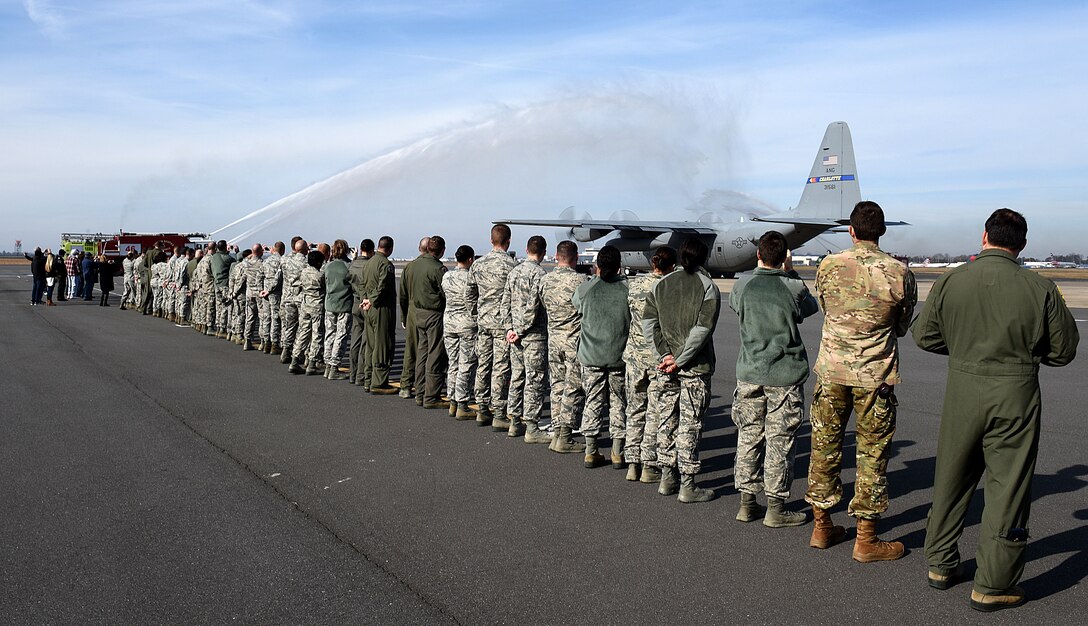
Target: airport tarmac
<point>156,475</point>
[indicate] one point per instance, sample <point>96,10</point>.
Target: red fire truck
<point>118,245</point>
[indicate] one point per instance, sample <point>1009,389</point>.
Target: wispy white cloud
<point>45,17</point>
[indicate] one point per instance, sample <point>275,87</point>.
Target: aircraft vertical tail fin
<point>831,190</point>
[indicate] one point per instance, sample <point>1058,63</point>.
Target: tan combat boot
<point>824,533</point>
<point>990,602</point>
<point>565,444</point>
<point>868,547</point>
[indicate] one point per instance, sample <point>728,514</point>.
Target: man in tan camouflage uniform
<point>459,329</point>
<point>272,281</point>
<point>564,323</point>
<point>251,328</point>
<point>868,299</point>
<point>640,446</point>
<point>203,290</point>
<point>311,316</point>
<point>236,286</point>
<point>292,268</point>
<point>486,284</point>
<point>527,333</point>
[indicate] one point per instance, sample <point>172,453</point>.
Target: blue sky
<point>171,115</point>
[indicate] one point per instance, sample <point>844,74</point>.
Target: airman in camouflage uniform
<point>868,298</point>
<point>486,284</point>
<point>236,285</point>
<point>602,302</point>
<point>680,316</point>
<point>220,265</point>
<point>564,324</point>
<point>459,330</point>
<point>203,290</point>
<point>251,267</point>
<point>128,265</point>
<point>311,315</point>
<point>772,366</point>
<point>527,334</point>
<point>292,295</point>
<point>269,304</point>
<point>640,444</point>
<point>158,274</point>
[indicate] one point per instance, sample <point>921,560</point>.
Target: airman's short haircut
<point>693,254</point>
<point>1007,229</point>
<point>294,240</point>
<point>385,242</point>
<point>608,261</point>
<point>315,259</point>
<point>772,248</point>
<point>464,253</point>
<point>536,246</point>
<point>367,246</point>
<point>221,245</point>
<point>567,250</point>
<point>278,247</point>
<point>867,218</point>
<point>500,235</point>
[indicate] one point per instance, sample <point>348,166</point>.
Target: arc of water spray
<point>330,187</point>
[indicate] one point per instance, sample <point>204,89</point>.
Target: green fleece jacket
<point>771,303</point>
<point>680,314</point>
<point>606,321</point>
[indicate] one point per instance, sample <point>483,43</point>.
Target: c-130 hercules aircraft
<point>830,194</point>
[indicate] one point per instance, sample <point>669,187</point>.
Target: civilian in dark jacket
<point>89,267</point>
<point>37,270</point>
<point>62,277</point>
<point>106,271</point>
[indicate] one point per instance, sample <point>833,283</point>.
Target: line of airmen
<point>493,331</point>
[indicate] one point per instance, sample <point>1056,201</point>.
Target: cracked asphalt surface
<point>155,475</point>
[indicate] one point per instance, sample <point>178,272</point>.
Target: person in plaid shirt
<point>75,276</point>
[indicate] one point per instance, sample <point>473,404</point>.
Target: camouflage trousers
<point>831,407</point>
<point>310,335</point>
<point>568,398</point>
<point>461,350</point>
<point>337,333</point>
<point>270,322</point>
<point>137,290</point>
<point>601,383</point>
<point>290,325</point>
<point>251,326</point>
<point>767,418</point>
<point>210,308</point>
<point>156,298</point>
<point>223,305</point>
<point>128,296</point>
<point>181,305</point>
<point>640,445</point>
<point>528,358</point>
<point>197,312</point>
<point>492,369</point>
<point>682,400</point>
<point>237,315</point>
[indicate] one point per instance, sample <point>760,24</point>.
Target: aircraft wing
<point>630,227</point>
<point>814,221</point>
